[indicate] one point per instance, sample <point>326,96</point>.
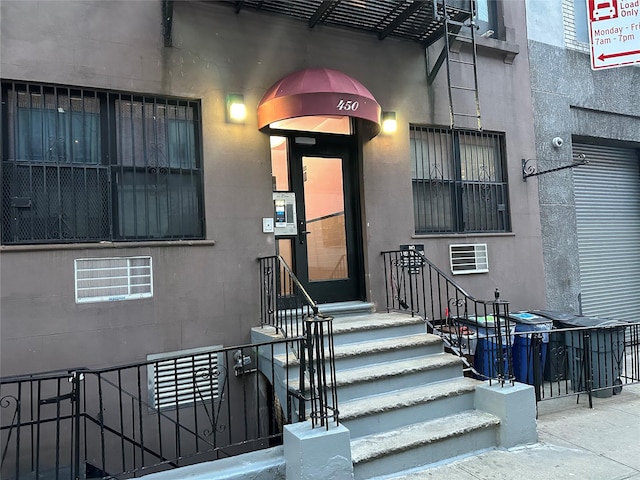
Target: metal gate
<point>40,428</point>
<point>607,196</point>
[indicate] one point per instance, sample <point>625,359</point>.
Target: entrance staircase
<point>404,400</point>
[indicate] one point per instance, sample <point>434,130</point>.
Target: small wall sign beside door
<point>284,205</point>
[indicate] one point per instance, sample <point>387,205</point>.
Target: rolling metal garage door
<point>607,193</point>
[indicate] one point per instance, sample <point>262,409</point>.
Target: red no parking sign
<point>614,33</point>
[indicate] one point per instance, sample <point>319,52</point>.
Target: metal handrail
<point>295,280</point>
<point>284,302</point>
<point>438,270</point>
<point>414,284</point>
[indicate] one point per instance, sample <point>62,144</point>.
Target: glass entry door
<point>327,251</point>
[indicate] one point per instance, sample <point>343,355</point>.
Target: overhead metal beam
<point>324,9</point>
<point>431,75</point>
<point>410,10</point>
<point>239,5</point>
<point>434,37</point>
<point>167,22</point>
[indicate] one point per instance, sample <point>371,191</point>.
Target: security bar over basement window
<point>113,279</point>
<point>471,258</point>
<point>191,378</point>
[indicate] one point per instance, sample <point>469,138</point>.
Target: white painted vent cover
<point>468,258</point>
<point>113,279</point>
<point>179,381</point>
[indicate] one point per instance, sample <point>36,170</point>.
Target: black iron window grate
<point>459,181</point>
<point>87,166</point>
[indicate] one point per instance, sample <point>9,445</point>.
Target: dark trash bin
<point>601,354</point>
<point>524,345</point>
<point>556,366</point>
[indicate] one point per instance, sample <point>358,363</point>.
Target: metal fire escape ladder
<point>462,71</point>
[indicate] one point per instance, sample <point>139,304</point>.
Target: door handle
<point>302,236</point>
<point>302,232</point>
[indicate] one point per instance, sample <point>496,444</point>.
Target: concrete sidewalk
<point>574,441</point>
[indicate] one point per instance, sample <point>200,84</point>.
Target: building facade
<point>135,207</point>
<point>590,214</point>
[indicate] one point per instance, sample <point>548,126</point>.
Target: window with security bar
<point>459,181</point>
<point>113,279</point>
<point>87,166</point>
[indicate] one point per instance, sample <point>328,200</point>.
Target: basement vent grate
<point>113,279</point>
<point>184,380</point>
<point>469,258</point>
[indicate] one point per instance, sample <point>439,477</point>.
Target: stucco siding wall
<point>208,294</point>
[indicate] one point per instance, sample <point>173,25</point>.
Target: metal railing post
<point>75,409</point>
<point>586,343</point>
<point>536,351</point>
<point>322,372</point>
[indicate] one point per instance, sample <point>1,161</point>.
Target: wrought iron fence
<point>139,418</point>
<point>479,331</point>
<point>596,361</point>
<point>557,357</point>
<point>173,411</point>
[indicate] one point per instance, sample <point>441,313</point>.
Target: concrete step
<point>340,309</point>
<point>377,326</point>
<point>359,328</point>
<point>378,351</point>
<point>375,379</point>
<point>423,443</point>
<point>337,309</point>
<point>398,409</point>
<point>378,378</point>
<point>387,349</point>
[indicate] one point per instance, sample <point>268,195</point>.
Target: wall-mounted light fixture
<point>236,109</point>
<point>389,124</point>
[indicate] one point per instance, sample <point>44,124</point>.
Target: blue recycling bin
<point>526,326</point>
<point>489,347</point>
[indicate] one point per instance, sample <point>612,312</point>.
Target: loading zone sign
<point>614,33</point>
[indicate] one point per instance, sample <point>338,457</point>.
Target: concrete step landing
<point>378,413</point>
<point>423,443</point>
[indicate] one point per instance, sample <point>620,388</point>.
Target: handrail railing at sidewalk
<point>415,285</point>
<point>288,307</point>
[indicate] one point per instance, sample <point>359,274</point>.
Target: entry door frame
<point>330,146</point>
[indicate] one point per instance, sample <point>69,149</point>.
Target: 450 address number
<point>350,105</point>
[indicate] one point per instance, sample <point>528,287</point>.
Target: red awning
<point>318,91</point>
